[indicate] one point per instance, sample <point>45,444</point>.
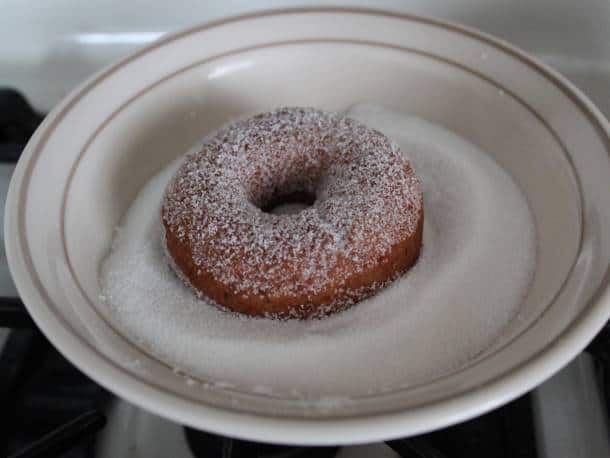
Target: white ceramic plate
<point>87,161</point>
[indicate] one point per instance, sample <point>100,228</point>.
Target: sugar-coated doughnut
<point>363,229</point>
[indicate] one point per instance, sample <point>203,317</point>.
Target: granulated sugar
<point>477,261</point>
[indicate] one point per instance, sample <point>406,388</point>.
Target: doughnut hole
<point>288,204</point>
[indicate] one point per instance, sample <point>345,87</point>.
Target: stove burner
<point>203,444</point>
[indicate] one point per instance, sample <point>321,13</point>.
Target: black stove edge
<point>13,314</point>
<point>18,121</point>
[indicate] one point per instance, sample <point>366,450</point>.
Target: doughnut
<point>362,229</point>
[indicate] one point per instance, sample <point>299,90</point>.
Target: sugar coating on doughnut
<point>368,199</point>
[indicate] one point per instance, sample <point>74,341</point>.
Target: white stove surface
<point>7,287</point>
<point>47,48</point>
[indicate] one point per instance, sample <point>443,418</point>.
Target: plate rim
<point>299,429</point>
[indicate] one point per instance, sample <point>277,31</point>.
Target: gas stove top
<point>54,410</point>
<point>51,409</point>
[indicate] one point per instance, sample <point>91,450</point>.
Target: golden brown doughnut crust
<point>363,230</point>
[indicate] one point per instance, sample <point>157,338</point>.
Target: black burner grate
<point>205,445</point>
<point>49,407</point>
